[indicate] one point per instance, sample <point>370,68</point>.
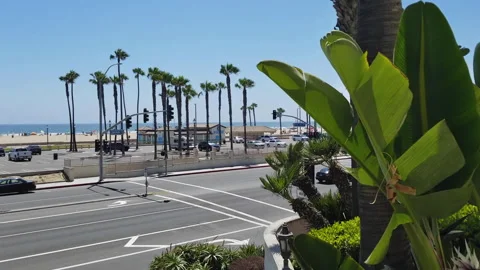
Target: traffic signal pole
<point>100,178</point>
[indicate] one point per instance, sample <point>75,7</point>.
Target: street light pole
<point>47,134</point>
<point>100,127</point>
<point>195,127</point>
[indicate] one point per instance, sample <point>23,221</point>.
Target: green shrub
<point>248,263</point>
<point>332,207</point>
<point>203,256</point>
<point>344,235</point>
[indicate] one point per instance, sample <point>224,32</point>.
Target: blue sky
<point>42,40</point>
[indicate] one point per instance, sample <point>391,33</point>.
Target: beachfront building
<point>253,132</point>
<point>146,134</point>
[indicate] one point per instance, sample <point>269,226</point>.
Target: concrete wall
<point>133,169</point>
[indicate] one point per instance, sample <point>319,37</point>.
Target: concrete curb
<point>68,204</point>
<point>273,258</point>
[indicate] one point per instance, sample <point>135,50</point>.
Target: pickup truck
<point>20,154</point>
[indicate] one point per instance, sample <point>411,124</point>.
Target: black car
<point>35,149</point>
<point>322,176</point>
<point>2,152</point>
<point>117,146</point>
<point>203,146</point>
<point>16,185</point>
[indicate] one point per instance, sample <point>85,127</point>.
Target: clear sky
<point>42,40</point>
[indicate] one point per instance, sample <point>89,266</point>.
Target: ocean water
<point>87,128</point>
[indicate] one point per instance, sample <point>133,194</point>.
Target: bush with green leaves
<point>345,235</point>
<point>203,256</point>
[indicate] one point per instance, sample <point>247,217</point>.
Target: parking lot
<point>45,162</point>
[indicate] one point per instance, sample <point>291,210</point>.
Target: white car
<point>264,138</point>
<point>20,154</point>
<point>255,145</point>
<point>276,143</point>
<point>299,138</point>
<point>238,139</point>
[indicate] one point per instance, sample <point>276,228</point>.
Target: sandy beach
<point>52,139</point>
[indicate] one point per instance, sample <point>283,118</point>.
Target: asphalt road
<point>115,232</point>
<point>45,161</point>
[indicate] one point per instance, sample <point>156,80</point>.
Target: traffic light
<point>128,122</point>
<point>274,114</point>
<point>170,113</point>
<point>97,145</point>
<point>145,115</point>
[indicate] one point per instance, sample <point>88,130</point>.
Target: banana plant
<point>416,135</point>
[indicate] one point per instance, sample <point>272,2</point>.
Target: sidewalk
<point>94,180</point>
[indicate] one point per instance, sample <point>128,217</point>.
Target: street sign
<point>116,131</point>
<point>300,124</point>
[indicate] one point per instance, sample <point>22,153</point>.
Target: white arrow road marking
<point>133,239</point>
<point>117,203</point>
<point>231,242</point>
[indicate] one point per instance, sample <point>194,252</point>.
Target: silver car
<point>276,143</point>
<point>255,144</point>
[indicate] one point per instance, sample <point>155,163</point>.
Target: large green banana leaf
<point>427,52</point>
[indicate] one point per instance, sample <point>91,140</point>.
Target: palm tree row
<point>171,87</point>
<point>251,109</point>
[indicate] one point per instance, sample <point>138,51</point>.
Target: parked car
<point>116,146</point>
<point>322,176</point>
<point>255,144</point>
<point>264,138</point>
<point>238,139</point>
<point>13,185</point>
<point>204,146</point>
<point>20,154</point>
<point>2,152</point>
<point>185,146</point>
<point>35,149</point>
<point>299,138</point>
<point>276,143</point>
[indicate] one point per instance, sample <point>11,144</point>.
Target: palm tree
<point>220,86</point>
<point>188,93</point>
<point>280,112</point>
<point>207,87</point>
<point>377,27</point>
<point>97,77</point>
<point>250,114</point>
<point>124,78</point>
<point>72,76</point>
<point>254,106</point>
<point>166,78</point>
<point>154,75</point>
<point>228,70</point>
<point>65,80</point>
<point>115,81</point>
<point>120,55</point>
<point>138,72</point>
<point>182,82</point>
<point>245,84</point>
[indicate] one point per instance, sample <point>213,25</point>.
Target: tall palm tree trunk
<point>69,115</point>
<point>138,108</point>
<point>125,113</point>
<point>378,22</point>
<point>207,107</point>
<point>73,134</point>
<point>164,115</point>
<point>245,119</point>
<point>187,124</point>
<point>229,92</point>
<point>254,118</point>
<point>154,99</point>
<point>281,130</point>
<point>250,116</point>
<point>104,113</point>
<point>121,104</point>
<point>179,113</point>
<point>220,116</point>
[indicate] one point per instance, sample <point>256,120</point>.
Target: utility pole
<point>47,134</point>
<point>195,127</point>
